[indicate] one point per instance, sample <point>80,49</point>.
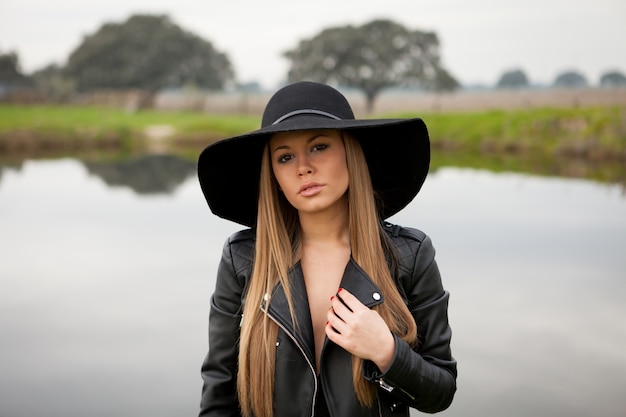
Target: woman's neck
<point>325,230</point>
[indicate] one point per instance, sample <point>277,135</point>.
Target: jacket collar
<point>354,279</point>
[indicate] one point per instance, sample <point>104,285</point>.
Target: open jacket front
<point>424,378</point>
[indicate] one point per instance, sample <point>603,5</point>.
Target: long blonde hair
<point>277,240</point>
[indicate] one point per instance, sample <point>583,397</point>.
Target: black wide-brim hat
<point>397,151</point>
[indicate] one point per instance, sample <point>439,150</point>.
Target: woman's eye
<point>319,147</point>
<point>284,158</point>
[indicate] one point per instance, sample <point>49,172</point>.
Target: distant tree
<point>147,52</point>
<point>570,79</point>
<point>513,79</point>
<point>370,58</point>
<point>613,79</point>
<point>52,84</point>
<point>249,87</point>
<point>10,72</point>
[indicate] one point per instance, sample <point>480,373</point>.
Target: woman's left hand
<point>359,330</point>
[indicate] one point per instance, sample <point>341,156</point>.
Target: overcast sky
<point>480,39</point>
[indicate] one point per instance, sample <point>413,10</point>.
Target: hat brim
<point>397,152</point>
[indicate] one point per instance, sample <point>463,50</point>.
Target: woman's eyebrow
<point>315,136</point>
<point>309,140</point>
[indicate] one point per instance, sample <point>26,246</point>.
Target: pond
<point>107,270</point>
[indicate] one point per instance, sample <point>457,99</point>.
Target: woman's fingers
<point>355,327</point>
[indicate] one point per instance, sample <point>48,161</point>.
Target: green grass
<point>98,121</point>
<point>543,130</point>
<point>538,129</point>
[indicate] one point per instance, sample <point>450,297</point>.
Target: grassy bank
<point>595,132</point>
<point>37,128</point>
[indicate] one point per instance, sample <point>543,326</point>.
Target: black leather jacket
<point>424,378</point>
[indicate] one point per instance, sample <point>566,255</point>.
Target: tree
<point>10,71</point>
<point>613,79</point>
<point>147,52</point>
<point>570,79</point>
<point>52,84</point>
<point>371,57</point>
<point>513,79</point>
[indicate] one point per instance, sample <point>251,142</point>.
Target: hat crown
<point>306,98</point>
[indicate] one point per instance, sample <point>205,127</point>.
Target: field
<point>410,101</point>
<point>586,123</point>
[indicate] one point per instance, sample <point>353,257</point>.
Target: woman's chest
<point>322,279</point>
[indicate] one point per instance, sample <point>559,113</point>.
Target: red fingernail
<point>339,290</point>
<point>331,297</point>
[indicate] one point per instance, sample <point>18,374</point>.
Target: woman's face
<point>311,169</point>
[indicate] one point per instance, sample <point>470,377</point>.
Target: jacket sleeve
<point>219,369</point>
<point>424,377</point>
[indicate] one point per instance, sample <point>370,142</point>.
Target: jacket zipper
<point>384,385</point>
<point>311,367</point>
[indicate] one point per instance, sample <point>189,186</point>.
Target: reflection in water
<point>5,167</point>
<point>156,173</point>
<point>608,171</point>
<point>148,174</point>
<point>104,292</point>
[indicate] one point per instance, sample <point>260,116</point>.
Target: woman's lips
<point>308,190</point>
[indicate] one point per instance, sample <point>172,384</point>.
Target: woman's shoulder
<point>239,248</point>
<point>241,237</point>
<point>411,245</point>
<point>417,273</point>
<point>399,233</point>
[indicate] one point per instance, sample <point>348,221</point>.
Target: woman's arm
<point>219,370</point>
<point>423,377</point>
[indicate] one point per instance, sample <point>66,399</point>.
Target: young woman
<point>321,308</point>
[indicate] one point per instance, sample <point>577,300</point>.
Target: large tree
<point>371,57</point>
<point>147,52</point>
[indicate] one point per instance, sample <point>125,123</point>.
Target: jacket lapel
<point>361,285</point>
<point>354,279</point>
<point>279,311</point>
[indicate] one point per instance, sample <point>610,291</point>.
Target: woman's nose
<point>304,167</point>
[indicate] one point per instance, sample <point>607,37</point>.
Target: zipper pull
<point>385,385</point>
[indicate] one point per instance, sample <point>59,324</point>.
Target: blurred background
<point>479,40</point>
<point>108,251</point>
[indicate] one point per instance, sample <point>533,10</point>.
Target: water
<point>107,270</point>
